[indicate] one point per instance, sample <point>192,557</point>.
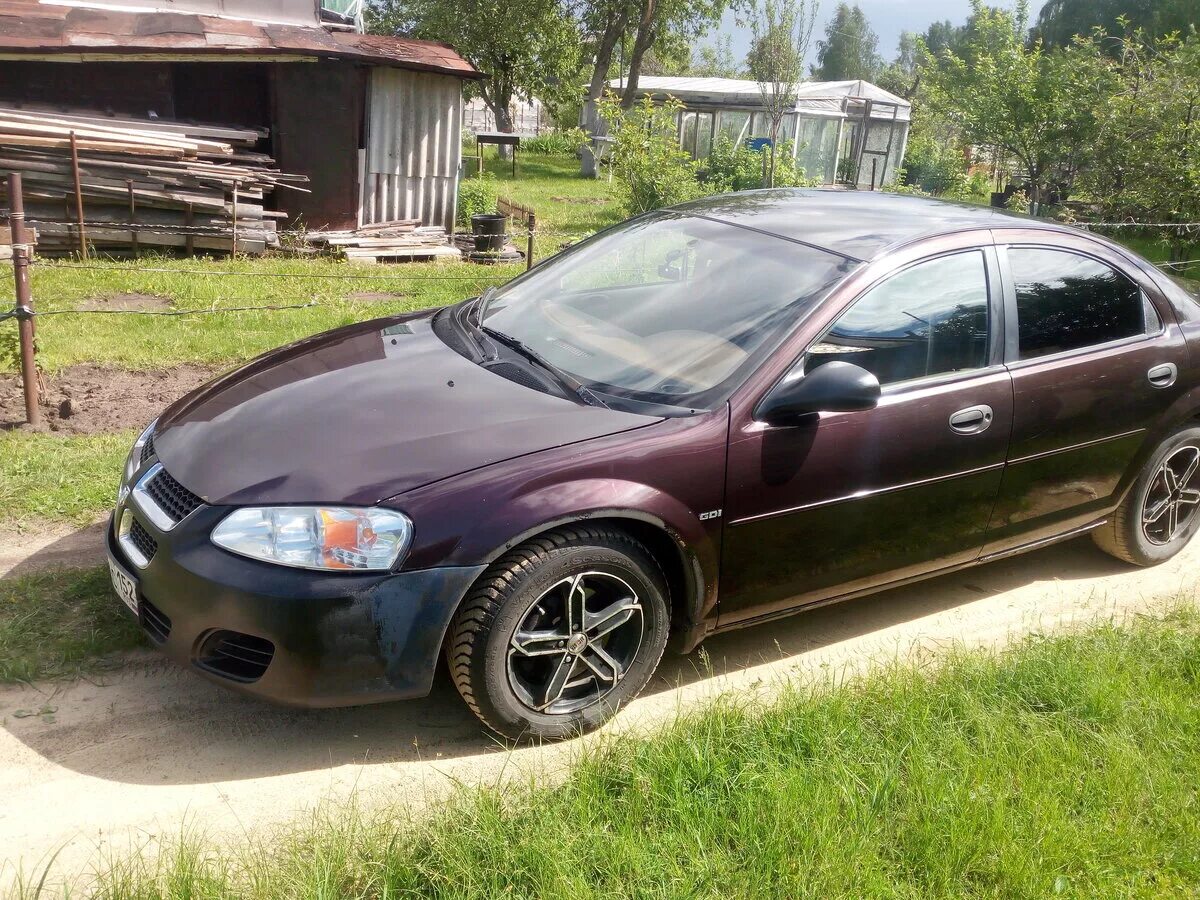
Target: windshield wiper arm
<point>570,382</point>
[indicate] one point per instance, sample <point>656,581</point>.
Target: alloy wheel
<point>1171,500</point>
<point>575,643</point>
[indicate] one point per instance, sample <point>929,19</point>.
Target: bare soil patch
<point>375,296</point>
<point>91,399</point>
<point>128,303</point>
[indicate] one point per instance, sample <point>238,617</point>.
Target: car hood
<point>358,415</point>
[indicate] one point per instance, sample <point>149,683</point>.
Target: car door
<point>1094,353</point>
<point>846,501</point>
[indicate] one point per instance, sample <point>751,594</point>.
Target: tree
<point>781,32</point>
<point>1033,105</point>
<point>605,23</point>
<point>642,26</point>
<point>850,50</point>
<point>715,60</point>
<point>902,76</point>
<point>945,35</point>
<point>526,49</point>
<point>662,20</point>
<point>1147,161</point>
<point>1061,20</point>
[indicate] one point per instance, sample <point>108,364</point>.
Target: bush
<point>738,168</point>
<point>647,162</point>
<point>476,195</point>
<point>564,142</point>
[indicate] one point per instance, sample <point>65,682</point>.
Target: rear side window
<point>1066,301</point>
<point>929,319</point>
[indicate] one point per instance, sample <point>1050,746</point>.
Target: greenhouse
<point>844,132</point>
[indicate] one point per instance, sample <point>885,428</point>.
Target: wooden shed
<point>373,121</point>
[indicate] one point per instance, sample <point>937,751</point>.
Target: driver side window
<point>929,319</point>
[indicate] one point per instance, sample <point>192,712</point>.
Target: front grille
<point>172,497</point>
<point>147,449</point>
<point>237,656</point>
<point>156,622</point>
<point>143,540</point>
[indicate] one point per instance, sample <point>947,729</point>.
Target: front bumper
<point>337,639</point>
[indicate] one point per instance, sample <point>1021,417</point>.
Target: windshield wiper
<point>570,382</point>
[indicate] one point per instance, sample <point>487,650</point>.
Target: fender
<point>588,500</point>
<point>671,482</point>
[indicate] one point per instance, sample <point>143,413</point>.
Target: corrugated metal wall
<point>414,143</point>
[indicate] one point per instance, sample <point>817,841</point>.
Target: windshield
<point>666,308</point>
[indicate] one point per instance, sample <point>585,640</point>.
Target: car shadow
<point>78,548</point>
<point>155,723</point>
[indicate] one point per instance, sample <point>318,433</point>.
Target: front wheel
<point>1162,510</point>
<point>559,633</point>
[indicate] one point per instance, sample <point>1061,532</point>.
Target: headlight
<point>133,461</point>
<point>317,537</point>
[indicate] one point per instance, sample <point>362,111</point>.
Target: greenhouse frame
<point>844,132</point>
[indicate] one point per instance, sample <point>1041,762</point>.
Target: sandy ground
<point>104,766</point>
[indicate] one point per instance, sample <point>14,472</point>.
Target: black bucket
<point>490,230</point>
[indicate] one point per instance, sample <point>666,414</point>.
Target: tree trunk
<point>589,119</point>
<point>646,34</point>
<point>504,122</point>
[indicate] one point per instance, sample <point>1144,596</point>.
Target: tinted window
<point>1066,301</point>
<point>927,320</point>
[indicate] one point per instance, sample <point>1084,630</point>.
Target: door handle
<point>1163,375</point>
<point>971,420</point>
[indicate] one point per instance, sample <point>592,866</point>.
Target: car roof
<point>859,225</point>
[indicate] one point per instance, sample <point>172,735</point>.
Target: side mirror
<point>833,387</point>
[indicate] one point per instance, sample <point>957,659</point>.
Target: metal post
<point>189,242</point>
<point>83,253</point>
<point>233,248</point>
<point>530,223</point>
<point>133,235</point>
<point>20,261</point>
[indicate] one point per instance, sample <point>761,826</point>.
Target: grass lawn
<point>61,623</point>
<point>47,478</point>
<point>1068,766</point>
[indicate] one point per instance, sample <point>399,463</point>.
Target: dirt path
<point>122,762</point>
<point>56,547</point>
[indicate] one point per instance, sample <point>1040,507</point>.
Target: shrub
<point>476,194</point>
<point>563,142</point>
<point>647,162</point>
<point>738,168</point>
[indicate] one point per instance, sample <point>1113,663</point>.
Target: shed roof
<point>824,98</point>
<point>31,29</point>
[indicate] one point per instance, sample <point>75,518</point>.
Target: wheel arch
<point>687,585</point>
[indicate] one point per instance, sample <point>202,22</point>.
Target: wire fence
<point>480,277</point>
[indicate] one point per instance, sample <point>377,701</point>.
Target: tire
<point>1135,533</point>
<point>513,641</point>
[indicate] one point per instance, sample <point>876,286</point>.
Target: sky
<point>887,17</point>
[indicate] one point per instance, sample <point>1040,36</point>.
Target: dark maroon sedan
<point>701,419</point>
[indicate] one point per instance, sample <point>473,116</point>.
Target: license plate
<point>124,585</point>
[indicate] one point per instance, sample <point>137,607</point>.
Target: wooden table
<point>500,139</point>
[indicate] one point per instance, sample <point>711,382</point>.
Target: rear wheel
<point>559,633</point>
<point>1162,511</point>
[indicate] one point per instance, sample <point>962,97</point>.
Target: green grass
<point>60,623</point>
<point>53,478</point>
<point>565,202</point>
<point>1068,766</point>
<point>151,342</point>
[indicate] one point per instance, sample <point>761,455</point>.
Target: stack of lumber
<point>145,183</point>
<point>403,239</point>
